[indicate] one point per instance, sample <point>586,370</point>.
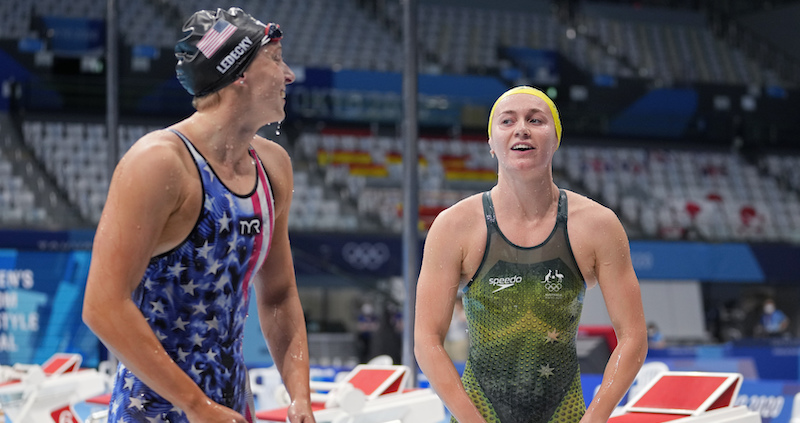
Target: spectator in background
<point>773,322</point>
<point>312,326</point>
<point>12,92</point>
<point>388,338</point>
<point>655,339</point>
<point>367,326</point>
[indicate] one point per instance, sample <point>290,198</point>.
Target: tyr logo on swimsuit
<point>250,226</point>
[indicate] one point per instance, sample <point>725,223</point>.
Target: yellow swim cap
<point>524,89</point>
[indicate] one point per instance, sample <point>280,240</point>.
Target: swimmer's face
<point>268,75</point>
<point>523,128</point>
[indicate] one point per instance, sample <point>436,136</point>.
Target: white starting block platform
<point>688,397</point>
<point>368,394</point>
<point>31,393</point>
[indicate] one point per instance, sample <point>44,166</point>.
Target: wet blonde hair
<point>206,101</point>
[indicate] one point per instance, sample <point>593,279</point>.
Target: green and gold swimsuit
<point>523,307</point>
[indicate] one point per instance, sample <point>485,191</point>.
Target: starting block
<point>36,394</point>
<point>368,394</point>
<point>688,397</point>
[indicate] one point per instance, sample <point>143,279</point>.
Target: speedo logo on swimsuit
<point>506,282</point>
<point>234,55</point>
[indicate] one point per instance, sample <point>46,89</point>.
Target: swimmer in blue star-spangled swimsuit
<point>196,220</point>
<point>195,298</point>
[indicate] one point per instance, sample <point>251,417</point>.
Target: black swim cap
<point>218,47</point>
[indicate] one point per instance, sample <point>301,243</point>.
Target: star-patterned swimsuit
<point>523,307</point>
<point>195,298</point>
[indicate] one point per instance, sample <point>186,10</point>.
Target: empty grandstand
<point>681,116</point>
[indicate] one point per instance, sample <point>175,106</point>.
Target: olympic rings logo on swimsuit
<point>366,255</point>
<point>552,287</point>
<point>553,281</point>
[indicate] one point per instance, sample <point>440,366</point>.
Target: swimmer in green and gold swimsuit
<point>524,271</point>
<point>523,309</point>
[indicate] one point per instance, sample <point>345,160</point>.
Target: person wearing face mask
<point>523,253</point>
<point>196,214</point>
<point>655,339</point>
<point>368,324</point>
<point>773,323</point>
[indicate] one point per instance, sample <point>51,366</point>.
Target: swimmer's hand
<point>211,412</point>
<point>300,412</point>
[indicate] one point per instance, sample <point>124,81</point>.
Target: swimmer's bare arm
<point>148,187</point>
<point>437,289</point>
<point>620,288</point>
<point>279,309</point>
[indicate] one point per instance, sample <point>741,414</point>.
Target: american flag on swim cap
<point>215,38</point>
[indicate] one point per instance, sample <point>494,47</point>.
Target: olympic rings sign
<point>366,255</point>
